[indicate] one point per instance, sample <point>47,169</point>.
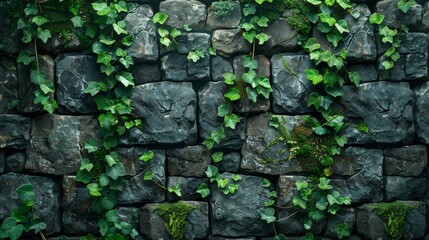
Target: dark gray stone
<point>190,161</point>
<point>404,188</point>
<point>74,72</point>
<point>421,112</point>
<point>291,87</point>
<point>15,162</point>
<point>408,161</point>
<point>394,17</point>
<point>8,84</point>
<point>2,163</point>
<point>26,87</point>
<point>57,142</point>
<point>423,25</point>
<point>9,36</point>
<point>345,215</point>
<point>129,215</point>
<point>187,42</point>
<point>385,107</point>
<point>223,14</point>
<point>233,216</point>
<point>183,12</point>
<point>282,36</point>
<point>230,162</point>
<point>210,97</point>
<point>176,67</point>
<point>370,224</point>
<point>188,188</point>
<point>140,24</point>
<point>169,113</point>
<point>245,105</point>
<point>218,66</point>
<point>14,131</point>
<point>262,153</point>
<point>364,169</point>
<point>46,190</point>
<point>136,189</point>
<point>145,73</point>
<point>367,72</point>
<point>57,44</point>
<point>229,42</point>
<point>197,222</point>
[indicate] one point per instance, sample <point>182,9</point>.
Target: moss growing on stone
<point>394,215</point>
<point>174,215</point>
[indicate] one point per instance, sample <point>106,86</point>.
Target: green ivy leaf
<point>104,180</point>
<point>249,36</point>
<point>128,40</point>
<point>314,100</point>
<point>345,4</point>
<point>376,18</point>
<point>262,37</point>
<point>204,190</point>
<point>406,5</point>
<point>9,228</point>
<point>249,9</point>
<point>233,94</point>
<point>39,20</point>
<point>217,156</point>
<point>104,57</point>
<point>326,18</point>
<point>212,51</point>
<point>342,26</point>
<point>268,214</point>
<point>175,189</point>
<point>222,183</point>
<point>121,6</point>
<point>341,141</point>
<point>232,188</point>
<point>94,189</point>
<point>160,18</point>
<point>43,34</point>
<point>120,27</point>
<point>266,183</point>
<point>249,77</point>
<point>106,39</point>
<point>37,225</point>
<point>334,37</point>
<point>314,2</point>
<point>38,77</point>
<point>126,78</point>
<point>83,176</point>
<point>211,171</point>
<point>229,78</point>
<point>301,185</point>
<point>330,78</point>
<point>314,76</point>
<point>108,202</point>
<point>236,177</point>
<point>231,120</point>
<point>248,26</point>
<point>316,215</point>
<point>25,57</point>
<point>269,203</point>
<point>147,156</point>
<point>116,171</point>
<point>26,194</point>
<point>91,145</point>
<point>342,230</point>
<point>387,64</point>
<point>77,21</point>
<point>86,165</point>
<point>324,184</point>
<point>260,21</point>
<point>148,175</point>
<point>223,110</point>
<point>298,201</point>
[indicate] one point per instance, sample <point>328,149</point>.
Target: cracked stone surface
<point>394,17</point>
<point>404,188</point>
<point>229,41</point>
<point>14,131</point>
<point>188,188</point>
<point>231,19</point>
<point>421,112</point>
<point>8,84</point>
<point>407,161</point>
<point>191,161</point>
<point>183,12</point>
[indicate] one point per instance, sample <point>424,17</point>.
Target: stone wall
<point>177,100</point>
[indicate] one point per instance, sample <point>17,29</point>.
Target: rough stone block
<point>176,67</point>
<point>2,159</point>
<point>371,225</point>
<point>58,44</point>
<point>218,66</point>
<point>233,216</point>
<point>152,225</point>
<point>183,12</point>
<point>367,72</point>
<point>394,17</point>
<point>404,188</point>
<point>246,105</point>
<point>291,87</point>
<point>364,169</point>
<point>191,161</point>
<point>423,25</point>
<point>169,113</point>
<point>140,24</point>
<point>408,161</point>
<point>26,87</point>
<point>345,215</point>
<point>47,192</point>
<point>282,36</point>
<point>230,162</point>
<point>14,131</point>
<point>229,42</point>
<point>9,36</point>
<point>273,160</point>
<point>74,73</point>
<point>56,143</point>
<point>188,187</point>
<point>15,162</point>
<point>210,97</point>
<point>133,165</point>
<point>146,73</point>
<point>421,112</point>
<point>8,84</point>
<point>385,107</point>
<point>223,15</point>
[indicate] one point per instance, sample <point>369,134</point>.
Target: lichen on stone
<point>174,215</point>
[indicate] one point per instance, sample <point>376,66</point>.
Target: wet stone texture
<point>408,161</point>
<point>421,112</point>
<point>183,12</point>
<point>8,84</point>
<point>14,131</point>
<point>191,161</point>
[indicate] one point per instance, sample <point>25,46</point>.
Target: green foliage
<point>223,8</point>
<point>394,215</point>
<point>196,55</point>
<point>405,5</point>
<point>174,215</point>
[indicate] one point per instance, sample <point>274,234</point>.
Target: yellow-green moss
<point>174,215</point>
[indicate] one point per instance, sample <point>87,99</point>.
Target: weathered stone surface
<point>291,87</point>
<point>233,216</point>
<point>57,44</point>
<point>345,215</point>
<point>258,157</point>
<point>187,42</point>
<point>245,105</point>
<point>385,107</point>
<point>183,12</point>
<point>74,72</point>
<point>136,189</point>
<point>169,113</point>
<point>2,159</point>
<point>191,161</point>
<point>140,24</point>
<point>413,58</point>
<point>408,161</point>
<point>230,41</point>
<point>286,190</point>
<point>197,222</point>
<point>9,36</point>
<point>26,87</point>
<point>223,238</point>
<point>46,191</point>
<point>421,112</point>
<point>188,187</point>
<point>218,66</point>
<point>370,224</point>
<point>15,162</point>
<point>14,131</point>
<point>423,25</point>
<point>145,73</point>
<point>364,168</point>
<point>282,36</point>
<point>77,217</point>
<point>210,97</point>
<point>394,17</point>
<point>230,162</point>
<point>176,67</point>
<point>367,72</point>
<point>223,15</point>
<point>8,84</point>
<point>404,188</point>
<point>56,143</point>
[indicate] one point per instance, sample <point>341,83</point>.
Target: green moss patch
<point>394,215</point>
<point>174,215</point>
